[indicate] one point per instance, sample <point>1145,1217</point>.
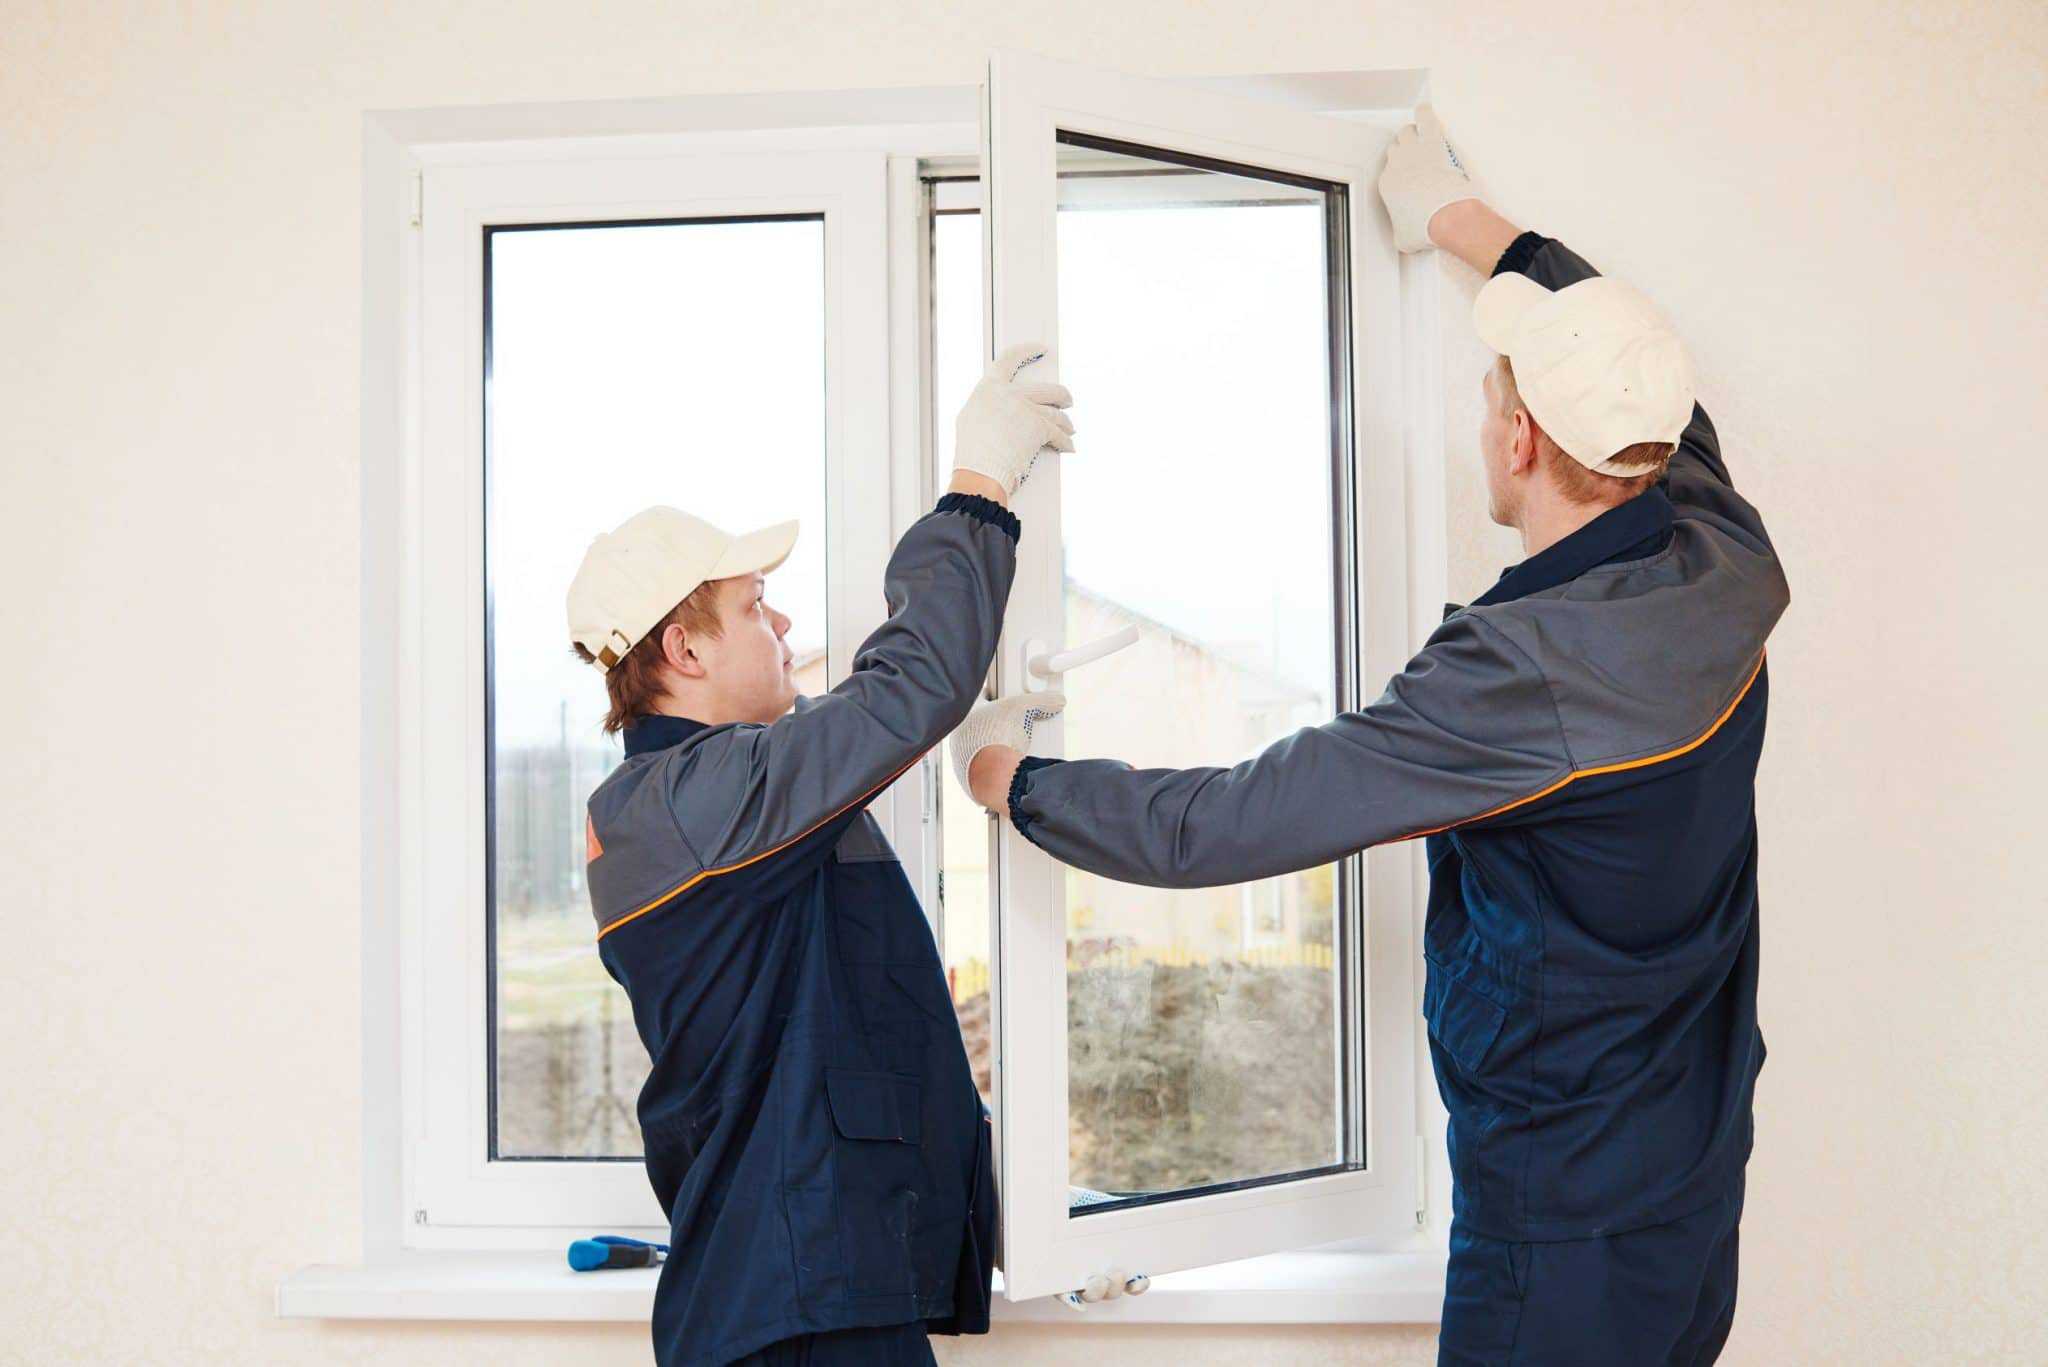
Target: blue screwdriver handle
<point>612,1251</point>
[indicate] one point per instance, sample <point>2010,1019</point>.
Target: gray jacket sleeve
<point>748,790</point>
<point>1466,730</point>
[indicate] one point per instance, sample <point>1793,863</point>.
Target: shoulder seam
<point>1564,743</point>
<point>677,822</point>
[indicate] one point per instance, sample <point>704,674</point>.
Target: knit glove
<point>1422,175</point>
<point>1006,721</point>
<point>1005,423</point>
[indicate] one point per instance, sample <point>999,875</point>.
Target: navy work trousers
<point>1657,1297</point>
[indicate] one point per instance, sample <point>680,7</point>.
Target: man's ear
<point>675,649</point>
<point>1522,444</point>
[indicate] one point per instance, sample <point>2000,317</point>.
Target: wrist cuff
<point>1521,253</point>
<point>1027,766</point>
<point>985,510</point>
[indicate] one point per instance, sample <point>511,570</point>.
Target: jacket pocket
<point>1463,1029</point>
<point>1463,1023</point>
<point>875,1105</point>
<point>877,1168</point>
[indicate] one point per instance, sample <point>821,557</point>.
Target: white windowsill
<point>1286,1288</point>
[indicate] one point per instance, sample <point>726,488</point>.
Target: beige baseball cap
<point>634,576</point>
<point>1598,366</point>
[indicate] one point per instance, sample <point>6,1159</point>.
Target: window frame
<point>407,155</point>
<point>453,1184</point>
<point>1030,102</point>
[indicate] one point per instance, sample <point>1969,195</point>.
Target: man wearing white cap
<point>1579,748</point>
<point>810,1122</point>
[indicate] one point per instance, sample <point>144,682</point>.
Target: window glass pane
<point>1203,1025</point>
<point>630,365</point>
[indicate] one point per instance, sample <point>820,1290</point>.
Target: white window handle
<point>1041,666</point>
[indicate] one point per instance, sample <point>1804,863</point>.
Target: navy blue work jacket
<point>1579,747</point>
<point>810,1120</point>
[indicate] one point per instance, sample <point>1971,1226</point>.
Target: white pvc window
<point>1193,1077</point>
<point>756,324</point>
<point>1205,1036</point>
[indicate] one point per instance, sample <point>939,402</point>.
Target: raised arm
<point>752,789</point>
<point>1432,202</point>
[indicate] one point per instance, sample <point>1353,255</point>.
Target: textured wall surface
<point>1841,203</point>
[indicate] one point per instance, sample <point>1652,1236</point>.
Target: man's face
<point>1497,437</point>
<point>748,665</point>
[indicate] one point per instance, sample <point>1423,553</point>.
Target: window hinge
<point>419,197</point>
<point>1421,1181</point>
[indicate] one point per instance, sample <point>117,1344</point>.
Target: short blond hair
<point>1579,483</point>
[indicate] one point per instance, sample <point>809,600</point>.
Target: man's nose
<point>781,625</point>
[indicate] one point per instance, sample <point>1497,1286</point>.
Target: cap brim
<point>1503,305</point>
<point>756,552</point>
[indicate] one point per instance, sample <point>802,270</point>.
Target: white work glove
<point>1006,721</point>
<point>1005,423</point>
<point>1422,175</point>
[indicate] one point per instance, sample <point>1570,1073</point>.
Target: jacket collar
<point>1635,529</point>
<point>659,732</point>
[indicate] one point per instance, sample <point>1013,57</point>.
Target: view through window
<point>678,363</point>
<point>1204,1028</point>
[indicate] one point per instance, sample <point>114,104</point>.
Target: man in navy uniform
<point>1579,746</point>
<point>810,1123</point>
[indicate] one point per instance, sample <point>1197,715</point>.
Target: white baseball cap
<point>634,576</point>
<point>1598,366</point>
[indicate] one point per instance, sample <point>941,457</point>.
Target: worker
<point>1579,748</point>
<point>810,1122</point>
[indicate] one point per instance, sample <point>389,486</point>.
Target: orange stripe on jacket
<point>695,879</point>
<point>1578,774</point>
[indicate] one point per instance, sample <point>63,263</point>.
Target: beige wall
<point>1840,202</point>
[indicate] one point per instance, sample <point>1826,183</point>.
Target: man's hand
<point>1421,176</point>
<point>1005,423</point>
<point>986,748</point>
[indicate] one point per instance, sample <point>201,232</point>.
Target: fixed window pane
<point>678,363</point>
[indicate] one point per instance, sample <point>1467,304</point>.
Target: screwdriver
<point>614,1250</point>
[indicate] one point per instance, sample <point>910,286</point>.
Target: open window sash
<point>1053,138</point>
